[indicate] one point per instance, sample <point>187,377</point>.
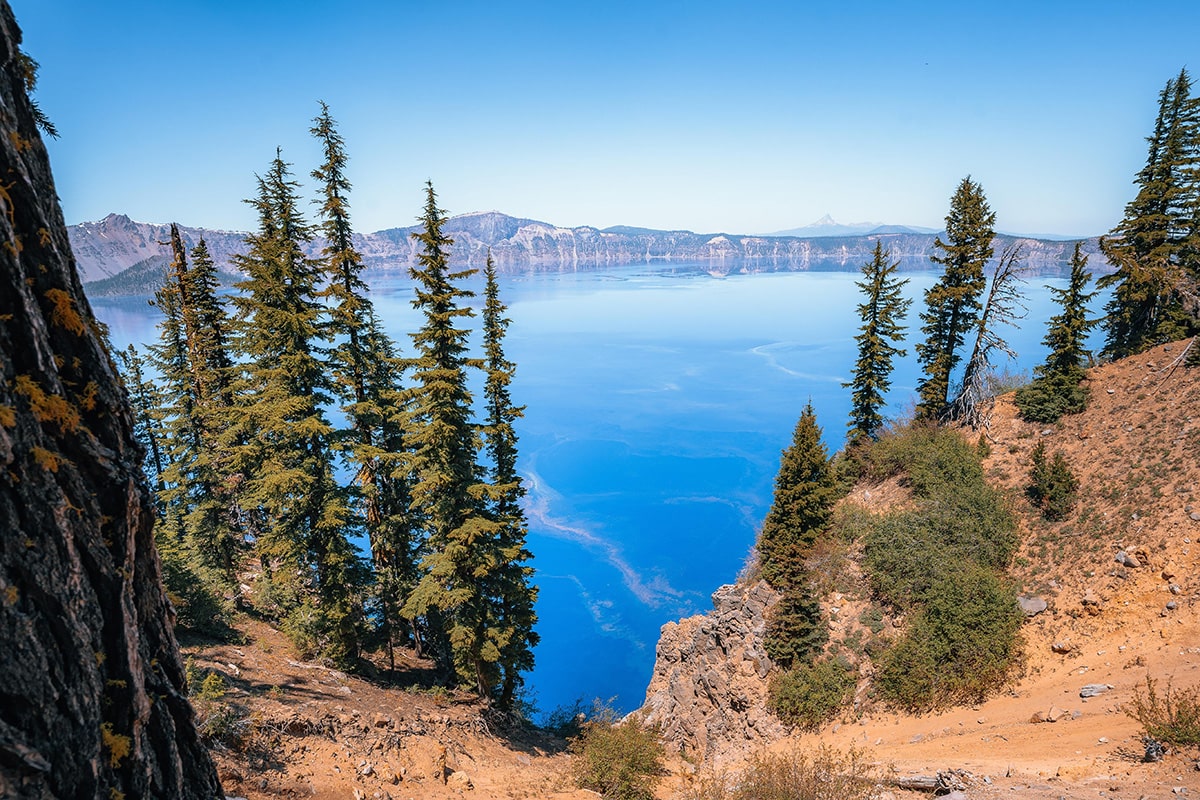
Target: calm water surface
<point>658,400</point>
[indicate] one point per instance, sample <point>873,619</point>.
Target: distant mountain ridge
<point>827,226</point>
<point>117,255</point>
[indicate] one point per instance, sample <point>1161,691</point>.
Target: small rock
<point>1047,432</point>
<point>1031,606</point>
<point>1194,516</point>
<point>1103,740</point>
<point>366,769</point>
<point>1111,391</point>
<point>381,721</point>
<point>1179,790</point>
<point>1174,589</point>
<point>1094,689</point>
<point>1125,559</point>
<point>1061,647</point>
<point>1171,606</point>
<point>1055,714</point>
<point>1168,572</point>
<point>460,780</point>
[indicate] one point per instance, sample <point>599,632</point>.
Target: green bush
<point>960,643</point>
<point>810,695</point>
<point>1171,718</point>
<point>1050,397</point>
<point>1052,486</point>
<point>199,609</point>
<point>621,760</point>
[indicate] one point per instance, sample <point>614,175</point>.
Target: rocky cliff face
<point>92,699</point>
<point>708,692</point>
<point>114,245</point>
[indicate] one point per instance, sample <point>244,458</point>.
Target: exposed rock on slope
<point>91,701</point>
<point>708,688</point>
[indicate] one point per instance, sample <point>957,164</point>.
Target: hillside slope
<point>1135,451</point>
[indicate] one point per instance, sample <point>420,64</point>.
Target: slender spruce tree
<point>513,593</point>
<point>366,377</point>
<point>145,398</point>
<point>882,313</point>
<point>1056,387</point>
<point>1156,246</point>
<point>300,513</point>
<point>805,491</point>
<point>448,491</point>
<point>952,305</point>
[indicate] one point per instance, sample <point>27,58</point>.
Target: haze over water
<point>657,402</point>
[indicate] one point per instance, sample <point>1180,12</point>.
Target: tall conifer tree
<point>882,313</point>
<point>1055,389</point>
<point>513,594</point>
<point>1155,247</point>
<point>448,492</point>
<point>300,511</point>
<point>366,375</point>
<point>952,305</point>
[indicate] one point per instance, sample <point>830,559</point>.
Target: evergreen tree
<point>1055,389</point>
<point>299,512</point>
<point>448,491</point>
<point>513,594</point>
<point>882,314</point>
<point>805,491</point>
<point>1003,306</point>
<point>146,400</point>
<point>366,375</point>
<point>952,304</point>
<point>1155,247</point>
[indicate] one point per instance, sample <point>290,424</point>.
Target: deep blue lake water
<point>658,400</point>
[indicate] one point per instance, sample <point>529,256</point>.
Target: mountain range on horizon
<point>119,256</point>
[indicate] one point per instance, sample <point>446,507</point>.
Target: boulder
<point>1061,648</point>
<point>1031,606</point>
<point>1094,689</point>
<point>1128,560</point>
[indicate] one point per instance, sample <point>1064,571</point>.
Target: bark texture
<point>91,682</point>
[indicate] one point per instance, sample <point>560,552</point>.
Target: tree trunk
<point>92,701</point>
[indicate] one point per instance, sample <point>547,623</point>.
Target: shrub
<point>1052,486</point>
<point>620,760</point>
<point>1050,397</point>
<point>810,695</point>
<point>1172,717</point>
<point>823,774</point>
<point>959,645</point>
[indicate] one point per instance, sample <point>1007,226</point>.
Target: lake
<point>658,401</point>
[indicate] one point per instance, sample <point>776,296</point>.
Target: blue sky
<point>711,116</point>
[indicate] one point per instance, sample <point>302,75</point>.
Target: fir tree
<point>366,375</point>
<point>1055,389</point>
<point>145,398</point>
<point>805,491</point>
<point>299,511</point>
<point>952,304</point>
<point>514,596</point>
<point>1003,306</point>
<point>1155,246</point>
<point>882,314</point>
<point>447,490</point>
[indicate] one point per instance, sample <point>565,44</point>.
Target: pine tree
<point>1003,306</point>
<point>366,380</point>
<point>1055,389</point>
<point>513,594</point>
<point>1155,248</point>
<point>882,314</point>
<point>448,491</point>
<point>145,398</point>
<point>805,491</point>
<point>952,304</point>
<point>299,511</point>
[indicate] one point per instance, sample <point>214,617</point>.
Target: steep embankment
<point>1105,621</point>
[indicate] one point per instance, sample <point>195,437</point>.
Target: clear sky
<point>712,116</point>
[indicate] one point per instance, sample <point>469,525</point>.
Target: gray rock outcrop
<point>708,692</point>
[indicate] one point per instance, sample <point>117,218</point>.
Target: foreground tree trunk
<point>92,701</point>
